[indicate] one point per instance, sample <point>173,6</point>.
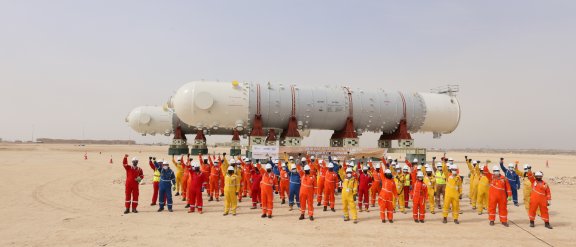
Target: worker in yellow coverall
<point>453,192</point>
<point>349,192</point>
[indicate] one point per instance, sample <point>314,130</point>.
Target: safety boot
<point>301,217</point>
<point>160,209</point>
<point>224,214</point>
<point>177,194</point>
<point>416,221</point>
<point>505,224</point>
<point>422,221</point>
<point>183,199</point>
<point>170,210</point>
<point>222,194</point>
<point>391,221</point>
<point>291,208</point>
<point>311,218</point>
<point>516,204</point>
<point>491,223</point>
<point>346,218</point>
<point>318,205</point>
<point>269,216</point>
<point>211,199</point>
<point>456,222</point>
<point>383,221</point>
<point>283,201</point>
<point>263,216</point>
<point>325,208</point>
<point>547,225</point>
<point>355,221</point>
<point>187,206</point>
<point>531,223</point>
<point>332,209</point>
<point>360,210</point>
<point>134,211</point>
<point>152,204</point>
<point>127,211</point>
<point>217,199</point>
<point>367,210</point>
<point>445,220</point>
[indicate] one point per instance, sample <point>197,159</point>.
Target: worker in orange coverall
<point>376,183</point>
<point>330,185</point>
<point>284,181</point>
<point>386,196</point>
<point>419,197</point>
<point>255,179</point>
<point>322,169</point>
<point>215,178</point>
<point>185,176</point>
<point>497,195</point>
<point>307,189</point>
<point>540,198</point>
<point>267,185</point>
<point>134,175</point>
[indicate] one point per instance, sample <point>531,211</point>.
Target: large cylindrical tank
<point>229,105</point>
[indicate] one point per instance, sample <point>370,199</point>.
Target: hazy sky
<point>66,66</point>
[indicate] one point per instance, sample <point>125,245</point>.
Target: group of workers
<point>362,183</point>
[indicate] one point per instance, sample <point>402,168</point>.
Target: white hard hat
<point>350,164</point>
<point>511,165</point>
<point>377,166</point>
<point>450,159</point>
<point>365,168</point>
<point>453,167</point>
<point>426,166</point>
<point>230,168</point>
<point>135,159</point>
<point>246,160</point>
<point>390,158</point>
<point>196,164</point>
<point>232,161</point>
<point>336,159</point>
<point>394,163</point>
<point>268,166</point>
<point>330,165</point>
<point>419,167</point>
<point>405,168</point>
<point>352,159</point>
<point>538,174</point>
<point>161,162</point>
<point>419,174</point>
<point>291,158</point>
<point>283,164</point>
<point>312,157</point>
<point>474,162</point>
<point>388,171</point>
<point>320,161</point>
<point>428,169</point>
<point>482,167</point>
<point>348,170</point>
<point>216,162</point>
<point>306,168</point>
<point>495,168</point>
<point>415,161</point>
<point>303,159</point>
<point>526,166</point>
<point>438,164</point>
<point>293,167</point>
<point>255,165</point>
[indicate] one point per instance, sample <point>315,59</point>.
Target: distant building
<point>74,141</point>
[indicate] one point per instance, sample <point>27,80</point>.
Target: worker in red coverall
<point>284,181</point>
<point>267,184</point>
<point>307,189</point>
<point>214,181</point>
<point>206,168</point>
<point>246,174</point>
<point>364,184</point>
<point>255,179</point>
<point>156,181</point>
<point>540,198</point>
<point>419,197</point>
<point>497,195</point>
<point>134,175</point>
<point>198,181</point>
<point>386,196</point>
<point>330,184</point>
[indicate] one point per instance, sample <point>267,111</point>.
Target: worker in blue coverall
<point>294,194</point>
<point>167,182</point>
<point>513,180</point>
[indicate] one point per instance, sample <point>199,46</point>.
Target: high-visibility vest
<point>407,180</point>
<point>440,178</point>
<point>156,175</point>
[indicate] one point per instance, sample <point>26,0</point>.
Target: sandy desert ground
<point>51,196</point>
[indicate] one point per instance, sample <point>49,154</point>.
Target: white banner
<point>265,152</point>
